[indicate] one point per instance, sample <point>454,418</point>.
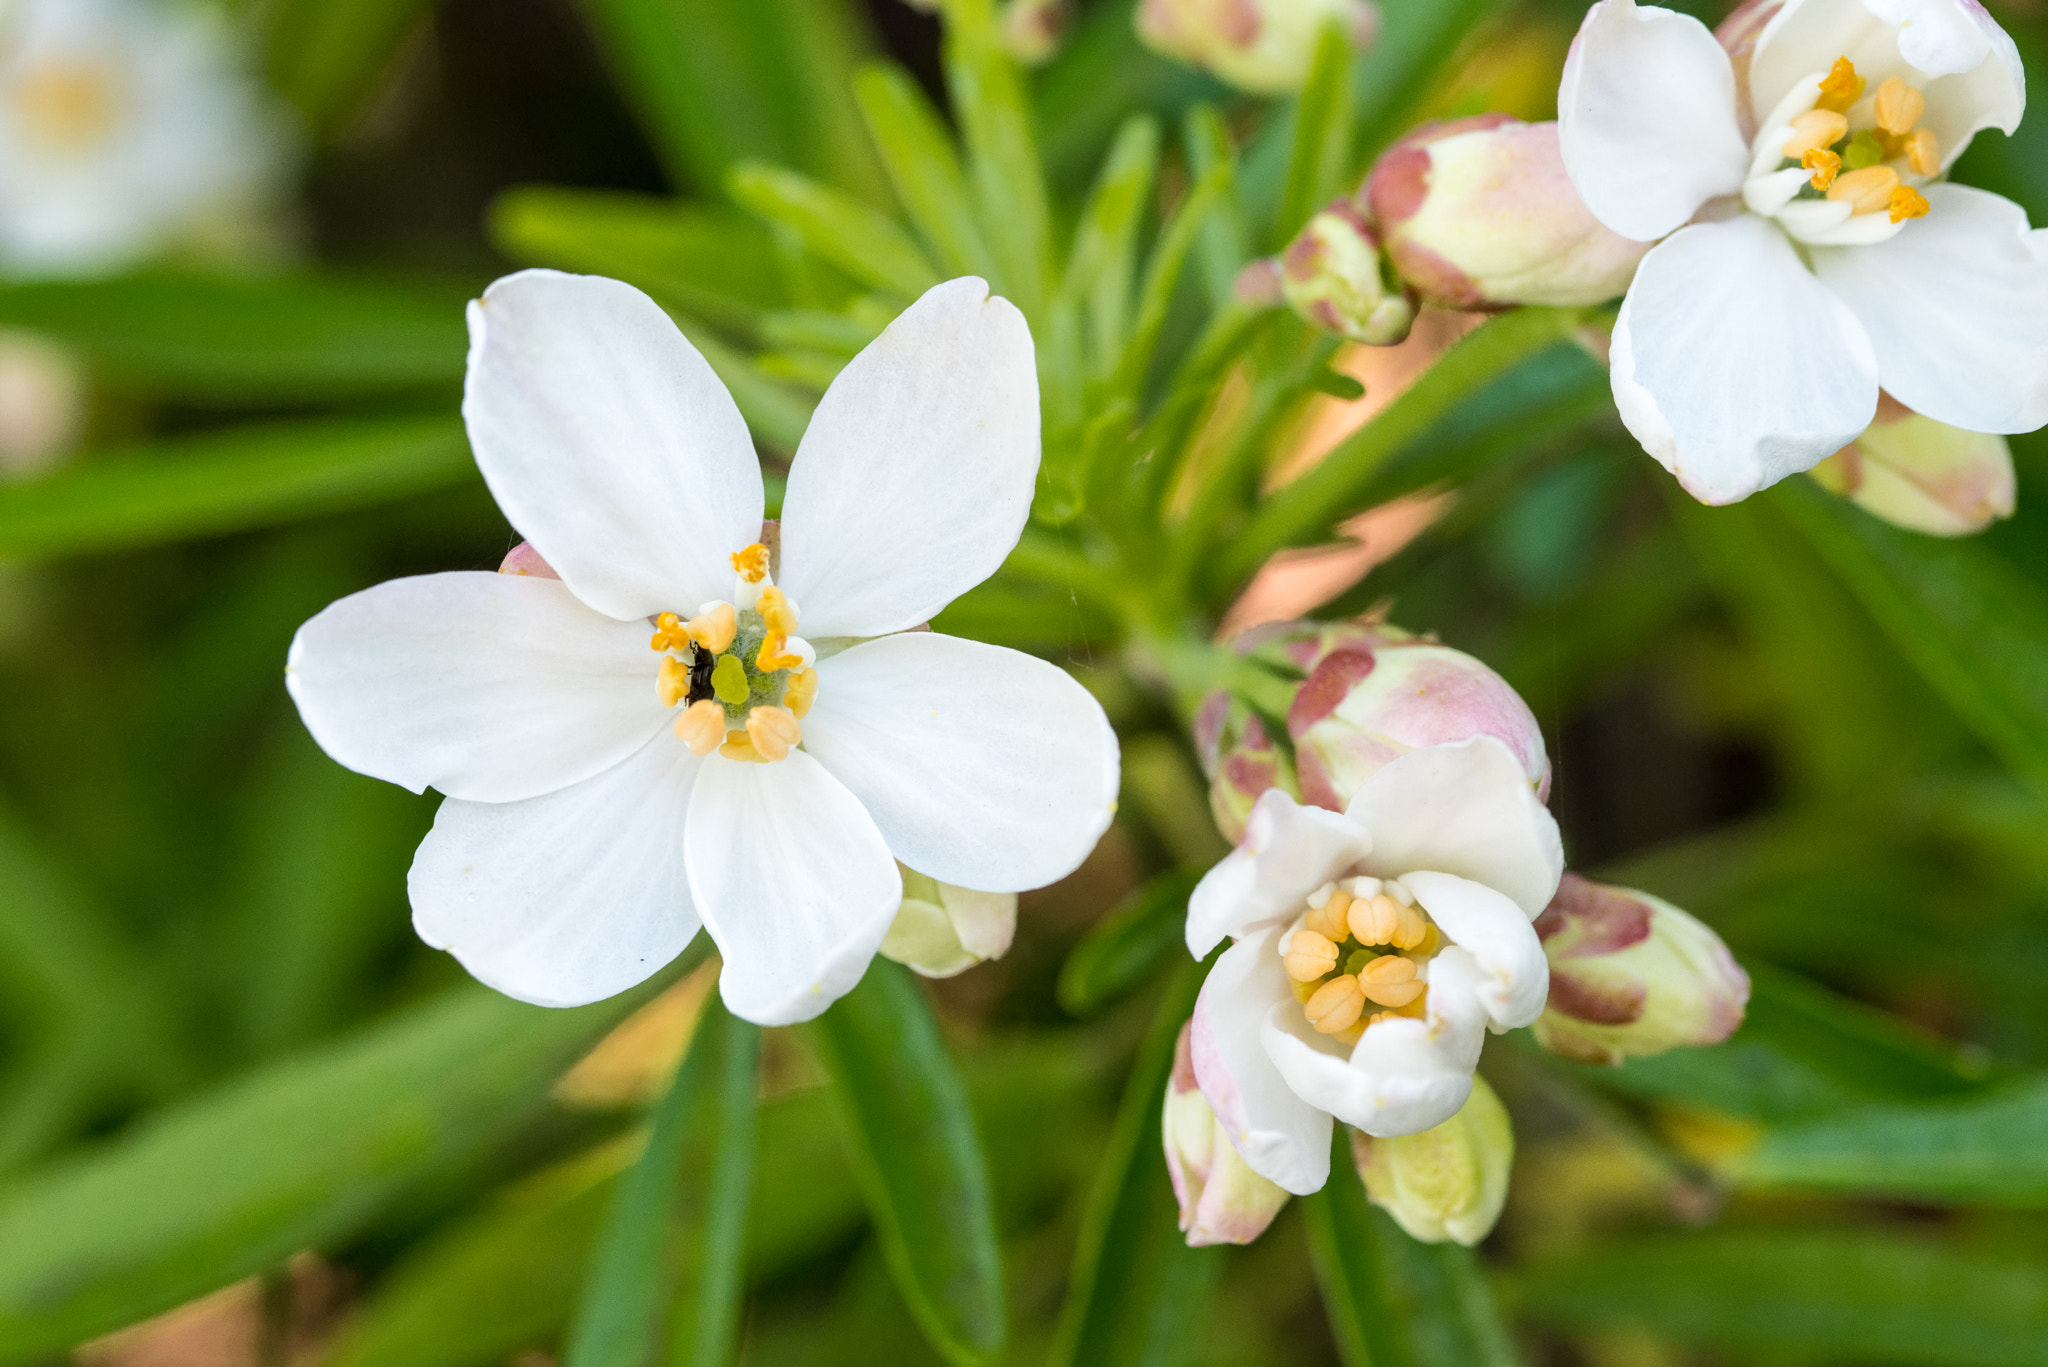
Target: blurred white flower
<point>603,797</point>
<point>1813,253</point>
<point>125,125</point>
<point>1375,948</point>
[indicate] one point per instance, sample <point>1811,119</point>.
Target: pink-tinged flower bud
<point>1264,46</point>
<point>1222,1201</point>
<point>1630,974</point>
<point>1032,29</point>
<point>1240,760</point>
<point>1923,475</point>
<point>1445,1183</point>
<point>524,559</point>
<point>1478,214</point>
<point>1375,693</point>
<point>941,930</point>
<point>1333,276</point>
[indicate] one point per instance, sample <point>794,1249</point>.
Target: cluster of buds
<point>1923,475</point>
<point>1263,46</point>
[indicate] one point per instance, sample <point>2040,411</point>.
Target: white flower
<point>1374,951</point>
<point>1814,250</point>
<point>123,124</point>
<point>602,797</point>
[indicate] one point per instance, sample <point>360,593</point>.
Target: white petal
<point>1646,118</point>
<point>914,479</point>
<point>792,880</point>
<point>1957,308</point>
<point>1733,366</point>
<point>1464,809</point>
<point>567,898</point>
<point>1498,935</point>
<point>1288,851</point>
<point>489,687</point>
<point>608,442</point>
<point>981,766</point>
<point>1280,1136</point>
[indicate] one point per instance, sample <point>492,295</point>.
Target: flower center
<point>1364,941</point>
<point>66,107</point>
<point>1862,167</point>
<point>742,675</point>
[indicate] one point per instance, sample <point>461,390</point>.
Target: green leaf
<point>1204,208</point>
<point>1003,166</point>
<point>776,412</point>
<point>327,59</point>
<point>1972,624</point>
<point>1098,272</point>
<point>298,1155</point>
<point>913,1141</point>
<point>1322,124</point>
<point>253,476</point>
<point>1129,945</point>
<point>1417,43</point>
<point>924,169</point>
<point>251,340</point>
<point>705,1327</point>
<point>1393,1301</point>
<point>1137,1292</point>
<point>1845,1295</point>
<point>866,244</point>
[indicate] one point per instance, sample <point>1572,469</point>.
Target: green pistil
<point>1864,149</point>
<point>735,681</point>
<point>729,681</point>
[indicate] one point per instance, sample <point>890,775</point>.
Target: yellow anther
<point>1412,930</point>
<point>738,747</point>
<point>1841,87</point>
<point>1908,202</point>
<point>1865,191</point>
<point>1923,152</point>
<point>673,683</point>
<point>1898,106</point>
<point>801,691</point>
<point>752,563</point>
<point>1336,1005</point>
<point>776,612</point>
<point>775,654</point>
<point>669,633</point>
<point>1328,920</point>
<point>1309,956</point>
<point>715,629</point>
<point>773,730</point>
<point>1390,980</point>
<point>1824,164</point>
<point>1816,128</point>
<point>701,727</point>
<point>1373,919</point>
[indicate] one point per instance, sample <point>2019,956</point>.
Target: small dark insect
<point>701,661</point>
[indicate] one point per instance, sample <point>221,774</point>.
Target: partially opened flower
<point>604,797</point>
<point>1375,949</point>
<point>1812,249</point>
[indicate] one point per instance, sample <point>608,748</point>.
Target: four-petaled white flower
<point>602,797</point>
<point>1374,950</point>
<point>1825,253</point>
<point>123,124</point>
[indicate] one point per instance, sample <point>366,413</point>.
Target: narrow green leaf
<point>1843,1295</point>
<point>864,243</point>
<point>1205,206</point>
<point>776,412</point>
<point>1129,945</point>
<point>917,152</point>
<point>327,59</point>
<point>1223,245</point>
<point>251,340</point>
<point>913,1141</point>
<point>1137,1291</point>
<point>252,476</point>
<point>1322,124</point>
<point>705,1328</point>
<point>1105,241</point>
<point>995,122</point>
<point>1419,40</point>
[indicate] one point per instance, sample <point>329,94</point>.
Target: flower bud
<point>1923,475</point>
<point>1446,1183</point>
<point>1032,29</point>
<point>1222,1201</point>
<point>42,404</point>
<point>1375,693</point>
<point>1478,213</point>
<point>1240,760</point>
<point>1334,277</point>
<point>941,930</point>
<point>1630,974</point>
<point>1264,46</point>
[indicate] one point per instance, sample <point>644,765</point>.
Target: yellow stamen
<point>1816,128</point>
<point>1908,202</point>
<point>773,730</point>
<point>1412,930</point>
<point>1336,1005</point>
<point>801,691</point>
<point>1373,920</point>
<point>752,563</point>
<point>776,612</point>
<point>1824,164</point>
<point>673,684</point>
<point>1923,152</point>
<point>1390,980</point>
<point>715,629</point>
<point>1328,920</point>
<point>775,654</point>
<point>701,727</point>
<point>670,633</point>
<point>738,747</point>
<point>1309,956</point>
<point>65,106</point>
<point>1841,87</point>
<point>1898,106</point>
<point>1865,191</point>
